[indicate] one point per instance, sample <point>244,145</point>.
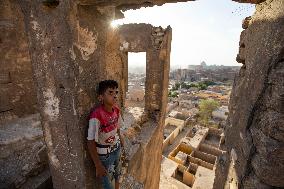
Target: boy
<point>104,139</point>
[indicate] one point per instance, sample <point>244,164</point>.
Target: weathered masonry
<point>254,133</point>
<point>155,41</point>
<point>144,168</point>
<point>53,54</point>
<point>69,56</point>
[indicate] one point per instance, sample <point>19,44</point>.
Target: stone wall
<point>72,48</point>
<point>67,55</point>
<point>17,92</point>
<point>155,41</point>
<point>144,162</point>
<point>254,133</point>
<point>23,157</point>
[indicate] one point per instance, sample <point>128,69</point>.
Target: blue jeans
<point>111,163</point>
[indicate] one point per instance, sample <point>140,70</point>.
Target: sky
<point>203,30</point>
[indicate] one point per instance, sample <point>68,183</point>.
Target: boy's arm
<point>100,169</point>
<point>92,147</point>
<point>93,152</point>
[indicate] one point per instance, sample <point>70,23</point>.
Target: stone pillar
<point>52,30</point>
<point>124,80</point>
<point>164,57</point>
<point>157,71</point>
<point>153,83</point>
<point>72,48</point>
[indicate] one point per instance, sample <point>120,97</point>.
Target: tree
<point>193,85</point>
<point>176,86</point>
<point>183,85</point>
<point>202,86</point>
<point>173,94</point>
<point>206,107</point>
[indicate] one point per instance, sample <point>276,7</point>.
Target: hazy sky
<point>204,30</point>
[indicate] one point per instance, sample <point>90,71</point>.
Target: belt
<point>106,149</point>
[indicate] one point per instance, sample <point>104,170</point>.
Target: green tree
<point>206,107</point>
<point>176,86</point>
<point>202,86</point>
<point>193,85</point>
<point>184,85</point>
<point>173,94</point>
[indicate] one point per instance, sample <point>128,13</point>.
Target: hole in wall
<point>135,95</point>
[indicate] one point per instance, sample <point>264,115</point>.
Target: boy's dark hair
<point>104,85</point>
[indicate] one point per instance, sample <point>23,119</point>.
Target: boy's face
<point>110,96</point>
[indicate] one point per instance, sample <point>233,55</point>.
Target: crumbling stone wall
<point>155,41</point>
<point>23,157</point>
<point>254,133</point>
<point>68,50</point>
<point>144,165</point>
<point>72,48</point>
<point>17,92</point>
